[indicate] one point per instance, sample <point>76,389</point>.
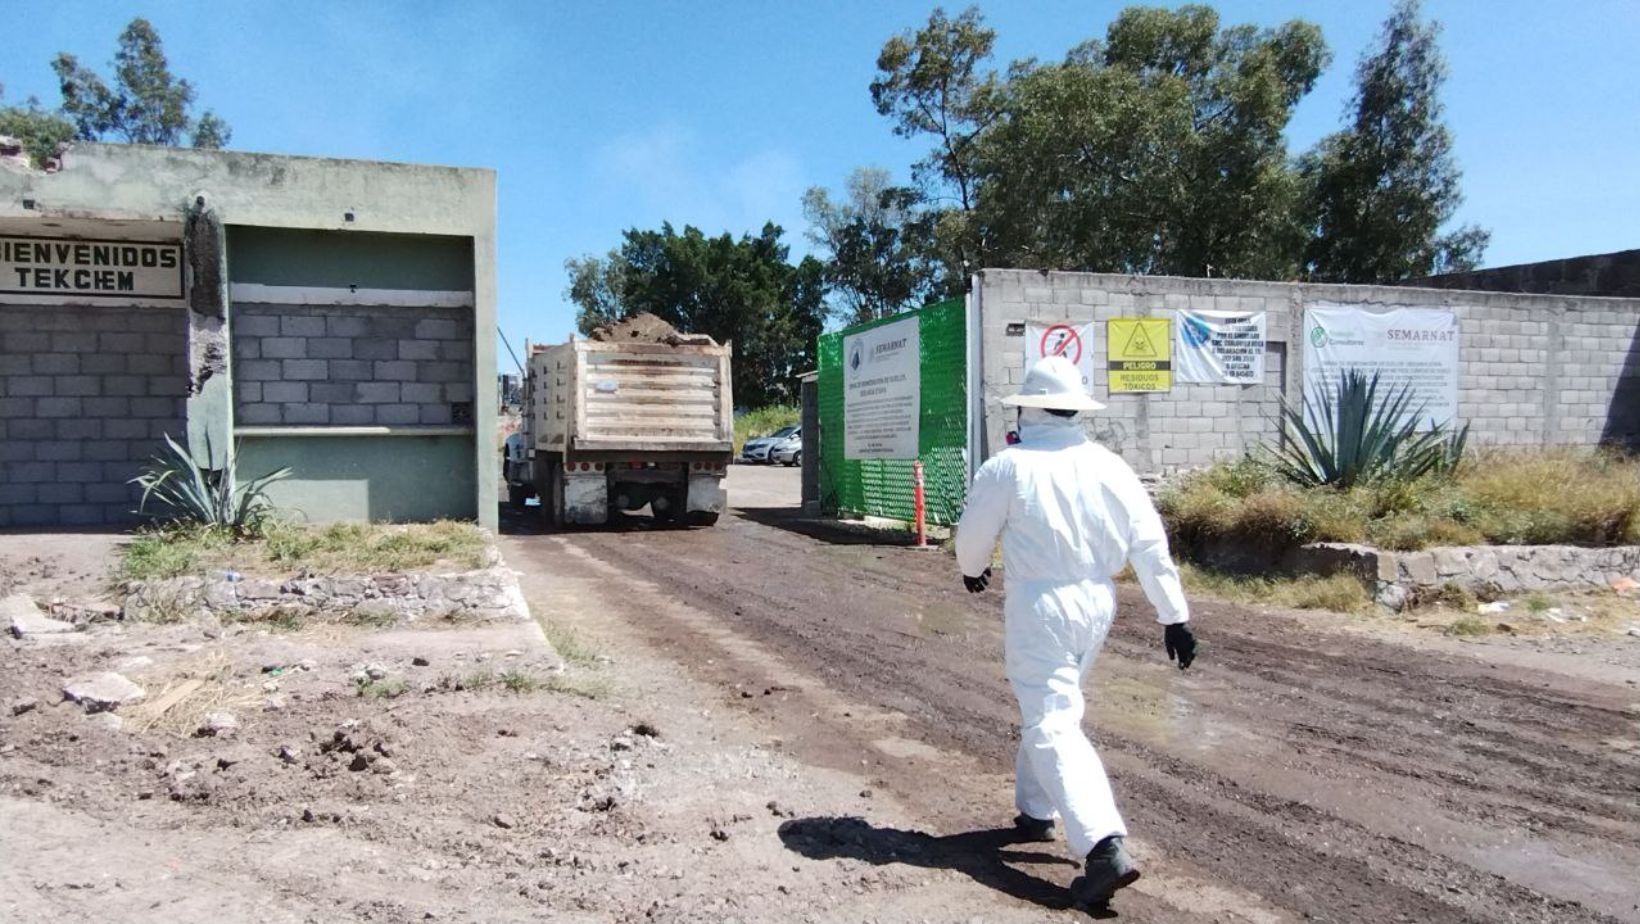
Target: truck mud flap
<point>706,494</point>
<point>586,499</point>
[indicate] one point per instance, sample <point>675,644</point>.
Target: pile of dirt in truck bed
<point>647,328</point>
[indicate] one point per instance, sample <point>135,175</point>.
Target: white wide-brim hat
<point>1054,383</point>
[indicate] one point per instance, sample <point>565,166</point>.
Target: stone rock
<point>503,820</point>
<point>419,661</point>
<point>102,692</point>
<point>135,663</point>
<point>25,618</point>
<point>218,725</point>
<point>25,704</point>
<point>1392,597</point>
<point>308,664</point>
<point>375,671</point>
<point>384,766</point>
<point>1419,568</point>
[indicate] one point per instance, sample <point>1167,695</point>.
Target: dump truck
<point>635,415</point>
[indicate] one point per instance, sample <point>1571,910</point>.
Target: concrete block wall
<point>1535,369</point>
<point>351,366</point>
<point>86,396</point>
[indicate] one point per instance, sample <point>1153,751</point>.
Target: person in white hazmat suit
<point>1070,514</point>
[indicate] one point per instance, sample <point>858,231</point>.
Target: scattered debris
<point>1497,606</point>
<point>102,692</point>
<point>308,664</point>
<point>504,821</point>
<point>25,618</point>
<point>218,725</point>
<point>1624,584</point>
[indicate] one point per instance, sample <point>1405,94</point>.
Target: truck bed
<point>591,396</point>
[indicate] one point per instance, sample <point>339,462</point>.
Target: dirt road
<point>1303,771</point>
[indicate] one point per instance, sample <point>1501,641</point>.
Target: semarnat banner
<point>1415,347</point>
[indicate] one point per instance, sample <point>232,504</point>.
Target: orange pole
<point>917,502</point>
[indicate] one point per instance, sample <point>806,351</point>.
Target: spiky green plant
<point>207,497</point>
<point>1356,435</point>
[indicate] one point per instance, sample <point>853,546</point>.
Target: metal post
<point>917,503</point>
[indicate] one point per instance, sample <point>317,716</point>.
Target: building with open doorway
<point>332,316</point>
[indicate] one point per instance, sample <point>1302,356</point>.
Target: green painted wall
<point>287,257</point>
<point>393,478</point>
<point>883,487</point>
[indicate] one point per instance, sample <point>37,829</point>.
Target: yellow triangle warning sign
<point>1139,344</point>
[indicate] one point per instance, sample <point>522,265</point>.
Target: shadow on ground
<point>983,856</point>
<point>528,521</point>
<point>835,532</point>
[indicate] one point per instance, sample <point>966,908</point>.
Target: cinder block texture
<point>85,395</point>
<point>350,366</point>
<point>1534,370</point>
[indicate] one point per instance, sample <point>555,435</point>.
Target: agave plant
<point>207,497</point>
<point>1353,435</point>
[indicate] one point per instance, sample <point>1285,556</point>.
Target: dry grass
<point>1339,593</point>
<point>285,549</point>
<point>1568,496</point>
<point>180,707</point>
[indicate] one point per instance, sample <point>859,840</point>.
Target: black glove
<point>977,584</point>
<point>1181,644</point>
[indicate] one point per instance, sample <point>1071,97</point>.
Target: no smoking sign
<point>1068,340</point>
<point>1061,340</point>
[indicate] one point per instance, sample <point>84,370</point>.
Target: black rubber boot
<point>1109,868</point>
<point>1035,830</point>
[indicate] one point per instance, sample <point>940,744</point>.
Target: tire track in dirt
<point>1356,719</point>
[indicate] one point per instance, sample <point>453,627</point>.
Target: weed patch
<point>1339,593</point>
<point>1503,498</point>
<point>1469,626</point>
<point>386,688</point>
<point>570,644</point>
<point>179,550</point>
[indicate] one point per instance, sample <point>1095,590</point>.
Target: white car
<point>757,449</point>
<point>788,451</point>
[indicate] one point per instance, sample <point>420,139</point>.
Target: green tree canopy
<point>42,133</point>
<point>145,104</point>
<point>1160,148</point>
<point>1157,150</point>
<point>740,289</point>
<point>1380,190</point>
<point>878,242</point>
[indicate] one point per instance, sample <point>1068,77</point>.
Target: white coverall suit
<point>1070,513</point>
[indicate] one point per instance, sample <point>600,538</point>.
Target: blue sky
<point>603,115</point>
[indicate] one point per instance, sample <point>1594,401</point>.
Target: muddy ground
<point>772,721</point>
<point>1306,769</point>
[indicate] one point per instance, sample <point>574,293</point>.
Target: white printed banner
<point>1072,341</point>
<point>882,391</point>
<point>1220,348</point>
<point>1416,347</point>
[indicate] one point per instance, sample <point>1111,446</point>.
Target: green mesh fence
<point>881,487</point>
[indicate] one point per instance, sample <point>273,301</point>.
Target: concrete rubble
<point>102,692</point>
<point>24,618</point>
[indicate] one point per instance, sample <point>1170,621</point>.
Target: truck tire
<point>552,496</point>
<point>702,518</point>
<point>517,494</point>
